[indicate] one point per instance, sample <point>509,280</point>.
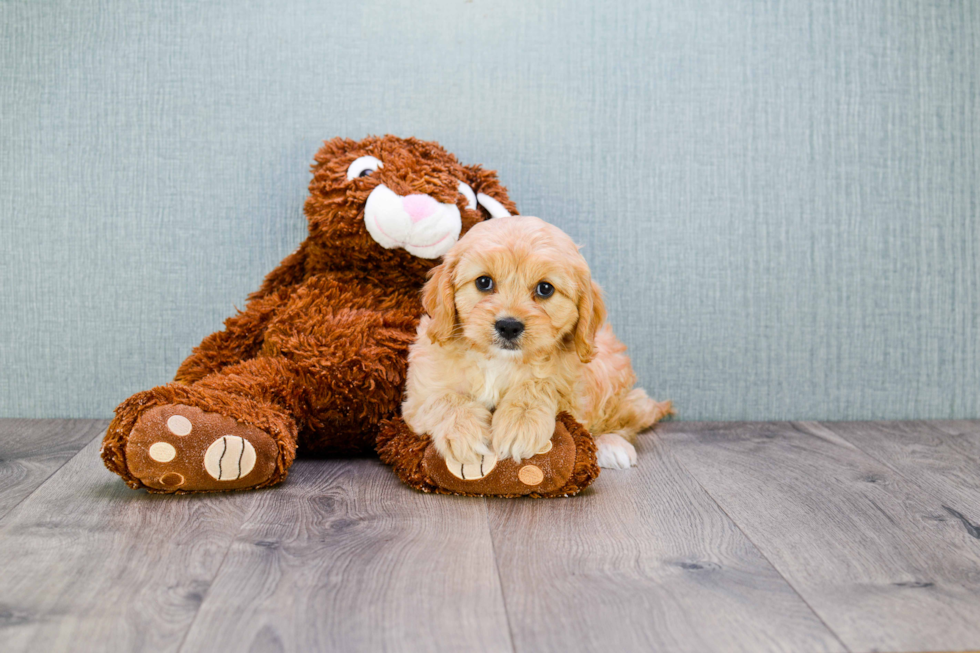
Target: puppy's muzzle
<point>509,329</point>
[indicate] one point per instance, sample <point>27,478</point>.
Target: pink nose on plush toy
<point>419,207</point>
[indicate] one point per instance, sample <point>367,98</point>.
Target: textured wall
<point>779,197</point>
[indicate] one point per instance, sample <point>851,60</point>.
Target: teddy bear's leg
<point>353,366</point>
<point>235,429</point>
<point>240,340</point>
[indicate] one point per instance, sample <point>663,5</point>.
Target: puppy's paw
<point>465,450</point>
<point>615,452</point>
<point>520,434</point>
<point>465,439</point>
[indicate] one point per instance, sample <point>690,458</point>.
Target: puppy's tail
<point>643,411</point>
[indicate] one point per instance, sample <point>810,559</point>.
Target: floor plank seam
<point>48,478</point>
<point>971,529</point>
<point>500,580</point>
<point>763,555</point>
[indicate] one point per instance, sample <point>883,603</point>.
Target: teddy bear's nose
<point>419,207</point>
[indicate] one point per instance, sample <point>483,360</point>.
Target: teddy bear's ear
<point>491,196</point>
<point>329,153</point>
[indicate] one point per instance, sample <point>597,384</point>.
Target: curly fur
<point>317,359</point>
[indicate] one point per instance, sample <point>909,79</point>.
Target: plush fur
<point>478,392</point>
<point>317,360</point>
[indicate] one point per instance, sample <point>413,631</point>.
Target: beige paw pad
<point>162,452</point>
<point>172,479</point>
<point>473,471</point>
<point>530,475</point>
<point>179,425</point>
<point>229,458</point>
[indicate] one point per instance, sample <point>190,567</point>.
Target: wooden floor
<point>727,537</point>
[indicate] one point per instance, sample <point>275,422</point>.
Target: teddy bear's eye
<point>363,166</point>
<point>544,290</point>
<point>468,193</point>
<point>484,284</point>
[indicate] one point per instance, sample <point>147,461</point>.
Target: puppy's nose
<point>509,328</point>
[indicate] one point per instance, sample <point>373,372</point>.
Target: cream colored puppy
<point>515,334</point>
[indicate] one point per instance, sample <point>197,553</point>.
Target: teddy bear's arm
<point>240,340</point>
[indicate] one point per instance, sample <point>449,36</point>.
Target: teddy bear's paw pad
<point>182,448</point>
<point>229,458</point>
<point>529,475</point>
<point>472,471</point>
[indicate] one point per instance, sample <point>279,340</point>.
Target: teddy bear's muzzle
<point>416,223</point>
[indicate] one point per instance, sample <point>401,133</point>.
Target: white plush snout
<point>417,223</point>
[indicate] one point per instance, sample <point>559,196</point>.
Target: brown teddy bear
<point>317,360</point>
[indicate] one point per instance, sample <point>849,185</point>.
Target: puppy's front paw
<point>520,434</point>
<point>465,439</point>
<point>465,449</point>
<point>615,452</point>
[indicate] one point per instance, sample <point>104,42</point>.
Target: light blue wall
<point>779,197</point>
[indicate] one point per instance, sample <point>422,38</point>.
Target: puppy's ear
<point>491,197</point>
<point>591,315</point>
<point>439,301</point>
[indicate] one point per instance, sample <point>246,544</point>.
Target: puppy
<point>515,334</point>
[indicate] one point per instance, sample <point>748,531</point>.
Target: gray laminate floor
<point>727,537</point>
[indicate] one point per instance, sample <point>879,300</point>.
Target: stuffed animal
<point>316,363</point>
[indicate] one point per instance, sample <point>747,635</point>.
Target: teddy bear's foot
<point>179,448</point>
<point>563,467</point>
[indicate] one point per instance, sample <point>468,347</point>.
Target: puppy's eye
<point>484,284</point>
<point>467,192</point>
<point>363,167</point>
<point>544,290</point>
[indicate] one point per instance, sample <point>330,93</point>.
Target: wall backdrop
<point>780,197</point>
